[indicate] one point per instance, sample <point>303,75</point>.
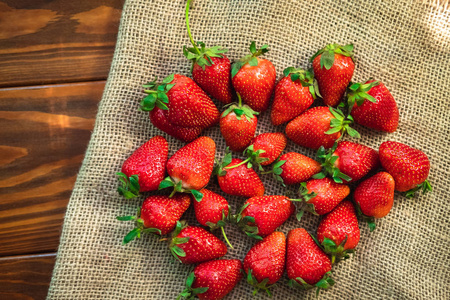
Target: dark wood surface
<point>55,56</point>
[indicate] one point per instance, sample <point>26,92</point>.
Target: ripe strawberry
<point>408,166</point>
<point>264,263</point>
<point>373,106</point>
<point>306,264</point>
<point>212,211</point>
<point>158,117</point>
<point>213,280</point>
<point>187,104</point>
<point>254,78</point>
<point>190,167</point>
<point>266,148</point>
<point>211,69</point>
<point>236,179</point>
<point>293,168</point>
<point>338,231</point>
<point>293,95</point>
<point>238,126</point>
<point>191,244</point>
<point>333,68</point>
<point>159,214</point>
<point>375,197</point>
<point>144,170</point>
<point>322,195</point>
<point>261,215</point>
<point>319,126</point>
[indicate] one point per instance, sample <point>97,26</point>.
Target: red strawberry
<point>254,78</point>
<point>144,170</point>
<point>190,167</point>
<point>319,126</point>
<point>187,104</point>
<point>211,69</point>
<point>212,211</point>
<point>236,179</point>
<point>159,214</point>
<point>191,245</point>
<point>373,106</point>
<point>238,126</point>
<point>306,264</point>
<point>293,95</point>
<point>338,231</point>
<point>322,195</point>
<point>261,215</point>
<point>213,280</point>
<point>266,148</point>
<point>333,68</point>
<point>293,168</point>
<point>375,197</point>
<point>264,263</point>
<point>408,166</point>
<point>158,117</point>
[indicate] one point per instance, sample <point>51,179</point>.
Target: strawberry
<point>213,280</point>
<point>187,104</point>
<point>238,126</point>
<point>293,168</point>
<point>254,78</point>
<point>293,95</point>
<point>333,68</point>
<point>264,263</point>
<point>158,117</point>
<point>375,196</point>
<point>144,170</point>
<point>261,215</point>
<point>319,126</point>
<point>408,166</point>
<point>322,195</point>
<point>191,244</point>
<point>373,106</point>
<point>211,69</point>
<point>270,145</point>
<point>159,214</point>
<point>236,179</point>
<point>190,167</point>
<point>348,161</point>
<point>306,264</point>
<point>212,211</point>
<point>338,231</point>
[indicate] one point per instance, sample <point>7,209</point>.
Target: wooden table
<point>54,58</point>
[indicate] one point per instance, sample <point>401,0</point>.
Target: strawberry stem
<point>239,164</point>
<point>225,237</point>
<point>188,28</point>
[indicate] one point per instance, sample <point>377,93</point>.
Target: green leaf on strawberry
<point>251,59</point>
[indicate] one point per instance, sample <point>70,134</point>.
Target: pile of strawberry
<point>182,108</point>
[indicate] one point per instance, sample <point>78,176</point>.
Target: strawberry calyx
<point>178,188</point>
<point>239,110</point>
<point>327,54</point>
<point>341,123</point>
<point>254,157</point>
<point>176,251</point>
<point>157,94</point>
<point>251,279</point>
<point>306,79</point>
<point>358,93</point>
<point>246,223</point>
<point>424,186</point>
<point>327,161</point>
<point>221,224</point>
<point>251,58</point>
<point>130,185</point>
<point>370,220</point>
<point>337,252</point>
<point>219,168</point>
<point>325,283</point>
<point>139,228</point>
<point>276,171</point>
<point>305,197</point>
<point>189,292</point>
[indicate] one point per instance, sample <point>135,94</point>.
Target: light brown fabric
<point>405,44</point>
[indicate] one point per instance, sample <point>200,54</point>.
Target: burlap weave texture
<point>406,44</point>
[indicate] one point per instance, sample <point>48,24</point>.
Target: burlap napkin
<point>405,44</point>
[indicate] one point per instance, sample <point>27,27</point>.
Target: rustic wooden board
<point>55,41</point>
<point>26,277</point>
<point>43,137</point>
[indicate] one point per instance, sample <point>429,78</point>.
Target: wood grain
<point>45,131</point>
<point>26,277</point>
<point>56,41</point>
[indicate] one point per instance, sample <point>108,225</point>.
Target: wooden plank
<point>26,277</point>
<point>56,41</point>
<point>43,137</point>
